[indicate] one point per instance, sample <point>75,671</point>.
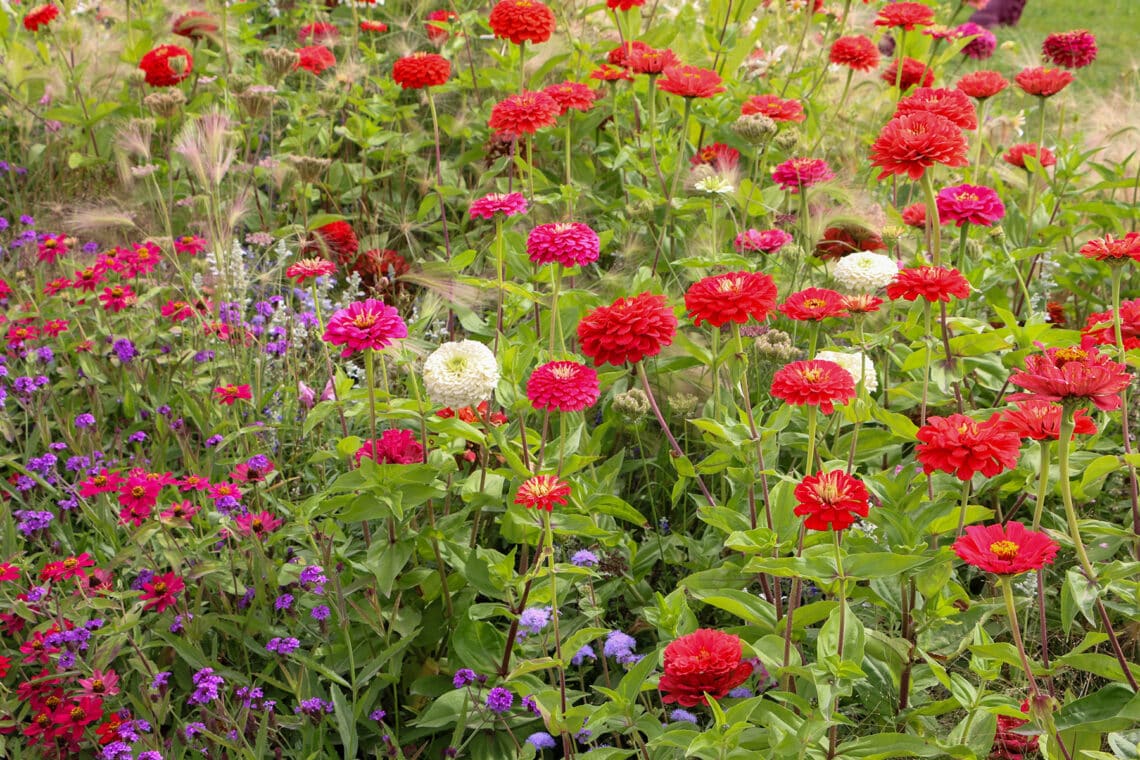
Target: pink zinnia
<point>969,204</point>
<point>563,387</point>
<point>1071,50</point>
<point>257,524</point>
<point>365,324</point>
<point>162,591</point>
<point>796,173</point>
<point>1064,374</point>
<point>766,241</point>
<point>569,243</point>
<point>509,204</point>
<point>309,268</point>
<point>394,446</point>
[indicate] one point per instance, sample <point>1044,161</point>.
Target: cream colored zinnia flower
<point>865,271</point>
<point>461,373</point>
<point>853,363</point>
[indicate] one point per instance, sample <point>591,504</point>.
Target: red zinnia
<point>1041,420</point>
<point>914,72</point>
<point>166,65</point>
<point>1099,330</point>
<point>1072,50</point>
<point>774,107</point>
<point>704,662</point>
<point>419,70</point>
<point>831,500</point>
<point>691,82</point>
<point>914,215</point>
<point>627,330</point>
<point>963,446</point>
<point>563,387</point>
<point>982,84</point>
<point>931,283</point>
<point>315,58</point>
<point>542,492</point>
<point>394,446</point>
<point>72,567</point>
<point>1011,549</point>
<point>913,143</point>
<point>574,95</point>
<point>953,104</point>
<point>814,383</point>
<point>437,34</point>
<point>369,324</point>
<point>308,269</point>
<point>195,25</point>
<point>1113,250</point>
<point>717,155</point>
<point>162,591</point>
<point>1043,82</point>
<point>969,204</point>
<point>1064,374</point>
<point>228,394</point>
<point>857,52</point>
<point>41,16</point>
<point>651,61</point>
<point>522,21</point>
<point>1009,744</point>
<point>619,56</point>
<point>374,27</point>
<point>607,73</point>
<point>732,297</point>
<point>624,5</point>
<point>813,305</point>
<point>337,238</point>
<point>1015,156</point>
<point>524,113</point>
<point>905,15</point>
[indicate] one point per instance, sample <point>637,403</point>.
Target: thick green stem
<point>932,219</point>
<point>1015,631</point>
<point>1042,483</point>
<point>1133,489</point>
<point>549,528</point>
<point>964,504</point>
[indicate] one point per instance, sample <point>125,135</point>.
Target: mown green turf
<point>1116,24</point>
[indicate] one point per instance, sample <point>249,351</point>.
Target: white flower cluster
<point>865,271</point>
<point>460,373</point>
<point>854,363</point>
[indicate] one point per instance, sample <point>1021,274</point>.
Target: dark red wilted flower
<point>1041,420</point>
<point>905,15</point>
<point>913,143</point>
<point>627,330</point>
<point>522,21</point>
<point>813,305</point>
<point>856,52</point>
<point>831,500</point>
<point>419,70</point>
<point>1072,374</point>
<point>1043,82</point>
<point>932,283</point>
<point>543,492</point>
<point>846,238</point>
<point>814,383</point>
<point>1011,549</point>
<point>1071,50</point>
<point>914,72</point>
<point>774,107</point>
<point>691,82</point>
<point>963,446</point>
<point>982,84</point>
<point>1015,156</point>
<point>166,65</point>
<point>524,113</point>
<point>315,58</point>
<point>1113,250</point>
<point>952,104</point>
<point>732,297</point>
<point>704,662</point>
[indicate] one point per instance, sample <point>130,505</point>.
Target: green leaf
<point>345,722</point>
<point>883,746</point>
<point>748,607</point>
<point>1113,708</point>
<point>633,682</point>
<point>881,565</point>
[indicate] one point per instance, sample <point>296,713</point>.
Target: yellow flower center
<point>364,320</point>
<point>1006,550</point>
<point>730,284</point>
<point>1070,354</point>
<point>812,375</point>
<point>814,303</point>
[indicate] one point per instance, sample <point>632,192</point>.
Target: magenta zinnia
<point>1005,550</point>
<point>363,325</point>
<point>568,243</point>
<point>562,386</point>
<point>969,204</point>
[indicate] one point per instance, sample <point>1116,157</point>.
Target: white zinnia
<point>865,271</point>
<point>853,363</point>
<point>460,373</point>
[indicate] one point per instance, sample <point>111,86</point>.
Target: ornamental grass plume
<point>563,386</point>
<point>1011,549</point>
<point>701,664</point>
<point>831,500</point>
<point>628,330</point>
<point>1072,374</point>
<point>731,297</point>
<point>814,383</point>
<point>460,373</point>
<point>962,446</point>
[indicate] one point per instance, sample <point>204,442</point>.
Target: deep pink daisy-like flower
<point>1071,50</point>
<point>1073,373</point>
<point>814,383</point>
<point>797,173</point>
<point>568,243</point>
<point>761,241</point>
<point>507,204</point>
<point>813,305</point>
<point>369,324</point>
<point>161,591</point>
<point>982,46</point>
<point>1006,550</point>
<point>969,204</point>
<point>563,386</point>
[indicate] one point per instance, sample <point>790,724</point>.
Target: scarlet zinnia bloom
<point>607,73</point>
<point>651,61</point>
<point>542,492</point>
<point>1099,331</point>
<point>627,330</point>
<point>1011,549</point>
<point>41,16</point>
<point>1015,156</point>
<point>982,84</point>
<point>913,143</point>
<point>914,72</point>
<point>563,387</point>
<point>574,95</point>
<point>762,241</point>
<point>195,25</point>
<point>1113,250</point>
<point>318,33</point>
<point>1041,420</point>
<point>315,58</point>
<point>306,269</point>
<point>337,238</point>
<point>162,591</point>
<point>797,173</point>
<point>969,204</point>
<point>862,303</point>
<point>228,394</point>
<point>568,243</point>
<point>963,446</point>
<point>72,718</point>
<point>831,500</point>
<point>420,70</point>
<point>71,567</point>
<point>774,107</point>
<point>931,283</point>
<point>953,104</point>
<point>1043,82</point>
<point>369,324</point>
<point>374,27</point>
<point>691,82</point>
<point>856,52</point>
<point>508,204</point>
<point>914,215</point>
<point>1071,50</point>
<point>906,15</point>
<point>394,446</point>
<point>844,239</point>
<point>166,65</point>
<point>704,662</point>
<point>1064,374</point>
<point>522,21</point>
<point>619,56</point>
<point>732,297</point>
<point>437,34</point>
<point>722,157</point>
<point>813,305</point>
<point>524,113</point>
<point>814,383</point>
<point>624,5</point>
